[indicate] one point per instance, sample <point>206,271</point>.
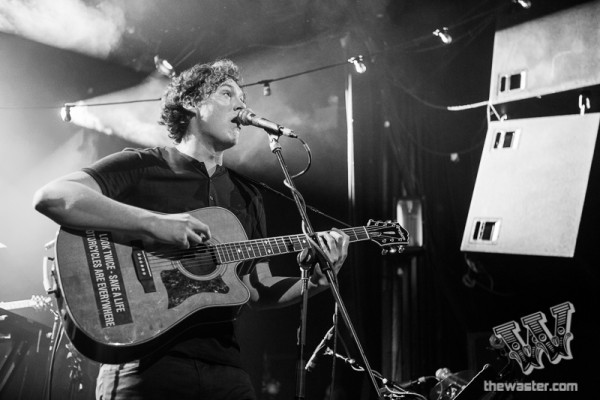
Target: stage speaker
<point>531,186</point>
<point>555,53</point>
<point>535,166</point>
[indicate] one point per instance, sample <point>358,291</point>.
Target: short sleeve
<point>119,172</point>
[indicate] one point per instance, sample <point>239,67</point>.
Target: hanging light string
<point>268,81</point>
<point>78,104</point>
<point>112,103</point>
<point>357,61</point>
<point>414,44</point>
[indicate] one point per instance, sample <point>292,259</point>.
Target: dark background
<point>404,141</point>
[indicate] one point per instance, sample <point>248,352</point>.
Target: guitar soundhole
<point>199,261</point>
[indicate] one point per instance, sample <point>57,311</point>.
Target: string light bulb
<point>266,89</point>
<point>443,35</point>
<point>163,67</point>
<point>65,113</point>
<point>358,63</point>
<point>526,4</point>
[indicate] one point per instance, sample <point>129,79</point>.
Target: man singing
<point>147,194</point>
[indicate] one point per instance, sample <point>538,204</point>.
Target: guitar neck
<point>253,249</point>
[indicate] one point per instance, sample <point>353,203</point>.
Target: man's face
<point>217,116</point>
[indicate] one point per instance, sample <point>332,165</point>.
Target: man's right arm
<point>76,201</point>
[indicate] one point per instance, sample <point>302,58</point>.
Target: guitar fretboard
<point>252,249</point>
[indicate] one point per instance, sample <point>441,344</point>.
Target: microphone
<point>247,117</point>
<point>312,361</point>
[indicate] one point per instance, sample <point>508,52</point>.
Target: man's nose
<point>239,105</point>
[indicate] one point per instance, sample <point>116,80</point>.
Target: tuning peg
<point>393,250</point>
<point>401,249</point>
<point>384,252</point>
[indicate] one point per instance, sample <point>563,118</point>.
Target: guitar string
<point>211,256</point>
<point>234,251</point>
<point>236,248</point>
<point>260,242</point>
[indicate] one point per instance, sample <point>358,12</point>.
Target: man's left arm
<point>268,291</point>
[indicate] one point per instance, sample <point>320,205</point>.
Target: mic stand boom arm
<point>331,278</point>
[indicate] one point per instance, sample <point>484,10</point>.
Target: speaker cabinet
<point>531,186</point>
<point>555,53</point>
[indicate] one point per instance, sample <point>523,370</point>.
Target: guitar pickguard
<point>180,287</point>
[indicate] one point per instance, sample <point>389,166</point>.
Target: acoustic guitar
<point>121,301</point>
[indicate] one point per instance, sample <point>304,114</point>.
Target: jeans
<point>173,378</point>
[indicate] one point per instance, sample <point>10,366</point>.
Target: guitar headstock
<point>389,235</point>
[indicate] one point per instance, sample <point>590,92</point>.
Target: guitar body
<point>120,302</point>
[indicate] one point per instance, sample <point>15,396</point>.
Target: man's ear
<point>189,107</point>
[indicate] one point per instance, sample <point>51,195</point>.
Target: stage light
<point>163,67</point>
<point>65,113</point>
<point>359,66</point>
<point>266,89</point>
<point>523,3</point>
<point>443,35</point>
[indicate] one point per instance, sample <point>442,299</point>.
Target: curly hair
<point>191,87</point>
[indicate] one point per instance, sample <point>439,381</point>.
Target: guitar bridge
<point>142,267</point>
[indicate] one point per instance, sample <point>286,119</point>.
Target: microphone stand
<point>331,278</point>
<point>300,364</point>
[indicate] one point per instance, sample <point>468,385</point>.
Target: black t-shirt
<point>168,181</point>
